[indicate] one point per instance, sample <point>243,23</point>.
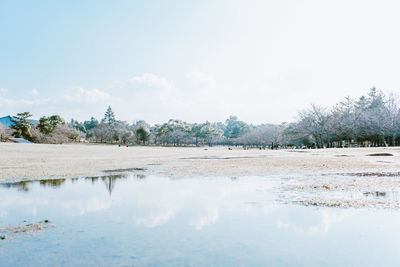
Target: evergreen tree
<point>44,125</point>
<point>48,124</point>
<point>109,117</point>
<point>142,133</point>
<point>22,125</point>
<point>89,125</point>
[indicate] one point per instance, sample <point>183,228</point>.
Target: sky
<point>193,60</point>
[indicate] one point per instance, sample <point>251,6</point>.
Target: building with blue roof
<point>6,121</point>
<point>19,140</point>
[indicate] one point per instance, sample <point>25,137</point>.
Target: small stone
<point>3,237</point>
<point>46,221</point>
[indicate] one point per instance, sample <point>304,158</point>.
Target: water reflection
<point>54,183</point>
<point>131,219</point>
<point>20,186</point>
<point>155,201</point>
<point>387,195</point>
<point>109,180</point>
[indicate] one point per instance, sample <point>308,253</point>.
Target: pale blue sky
<point>193,60</point>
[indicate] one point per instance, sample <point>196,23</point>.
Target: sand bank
<point>38,161</point>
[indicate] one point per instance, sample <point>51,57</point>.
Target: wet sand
<point>38,161</point>
<point>12,231</point>
<point>341,178</point>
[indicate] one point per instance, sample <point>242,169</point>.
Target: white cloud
<point>33,91</point>
<point>196,97</point>
<point>271,55</point>
<point>320,223</point>
<point>152,80</point>
<point>156,217</point>
<point>211,216</point>
<point>93,205</point>
<point>6,101</point>
<point>91,96</point>
<point>3,214</point>
<point>9,102</point>
<point>148,96</point>
<point>3,90</point>
<point>201,79</point>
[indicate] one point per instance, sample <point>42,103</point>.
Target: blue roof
<point>6,121</point>
<point>20,140</point>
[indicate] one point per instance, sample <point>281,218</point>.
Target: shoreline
<point>334,177</point>
<point>41,161</point>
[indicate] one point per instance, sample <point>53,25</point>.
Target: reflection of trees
<point>141,176</point>
<point>93,179</point>
<point>20,186</point>
<point>110,181</point>
<point>25,185</point>
<point>52,182</point>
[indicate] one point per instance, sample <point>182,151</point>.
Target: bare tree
<point>3,133</point>
<point>315,122</point>
<point>392,122</point>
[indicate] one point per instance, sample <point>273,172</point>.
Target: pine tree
<point>109,116</point>
<point>22,125</point>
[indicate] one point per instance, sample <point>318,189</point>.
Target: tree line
<point>371,120</point>
<point>52,130</point>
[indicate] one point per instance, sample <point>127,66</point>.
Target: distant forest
<point>371,120</point>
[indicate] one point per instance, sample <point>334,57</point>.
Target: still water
<point>134,220</point>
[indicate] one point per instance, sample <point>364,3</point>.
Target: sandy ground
<point>345,178</point>
<point>35,161</point>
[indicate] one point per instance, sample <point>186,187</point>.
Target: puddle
<point>370,174</point>
<point>239,157</point>
<point>125,170</point>
<point>376,194</point>
<point>132,219</point>
<point>355,190</point>
<point>380,155</point>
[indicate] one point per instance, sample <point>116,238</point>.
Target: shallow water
<point>131,219</point>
